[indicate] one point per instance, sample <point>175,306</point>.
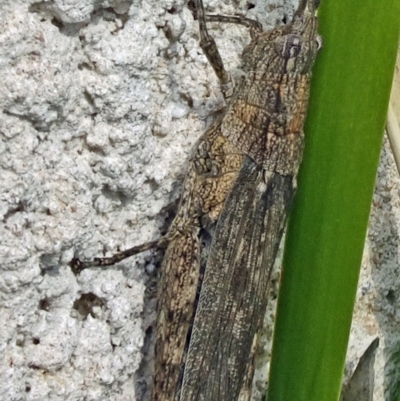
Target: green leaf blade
<point>326,232</point>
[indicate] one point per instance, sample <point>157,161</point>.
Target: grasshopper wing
<point>175,313</point>
<point>233,295</point>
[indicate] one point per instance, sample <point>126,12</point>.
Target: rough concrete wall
<point>101,103</point>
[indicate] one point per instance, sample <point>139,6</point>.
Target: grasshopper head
<point>288,49</point>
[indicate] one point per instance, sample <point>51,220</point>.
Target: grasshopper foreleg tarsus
<point>77,265</point>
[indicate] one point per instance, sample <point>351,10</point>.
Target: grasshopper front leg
<point>210,49</point>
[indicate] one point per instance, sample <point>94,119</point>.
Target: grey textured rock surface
<point>376,312</point>
<point>101,103</point>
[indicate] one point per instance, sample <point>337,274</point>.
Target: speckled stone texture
<point>101,103</point>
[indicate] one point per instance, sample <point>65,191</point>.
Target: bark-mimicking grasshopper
<point>232,212</point>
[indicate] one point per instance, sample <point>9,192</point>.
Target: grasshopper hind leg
<point>77,265</point>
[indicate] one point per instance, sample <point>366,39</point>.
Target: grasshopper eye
<point>288,46</point>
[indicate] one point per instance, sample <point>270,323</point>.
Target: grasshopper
<point>222,244</point>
